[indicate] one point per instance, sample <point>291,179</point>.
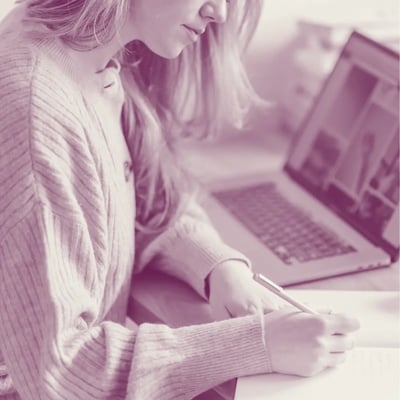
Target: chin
<point>171,56</point>
<point>168,53</point>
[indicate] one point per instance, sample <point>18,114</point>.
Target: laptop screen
<point>347,151</point>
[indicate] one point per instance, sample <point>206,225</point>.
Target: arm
<point>57,345</point>
<point>189,250</point>
<point>193,251</point>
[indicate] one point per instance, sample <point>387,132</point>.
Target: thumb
<point>241,309</point>
<point>253,309</point>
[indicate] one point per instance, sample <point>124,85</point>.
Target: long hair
<point>193,95</point>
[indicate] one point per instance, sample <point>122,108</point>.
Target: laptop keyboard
<point>284,228</point>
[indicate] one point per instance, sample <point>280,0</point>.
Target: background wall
<point>5,5</point>
<point>270,52</point>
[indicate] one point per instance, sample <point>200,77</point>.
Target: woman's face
<point>168,26</point>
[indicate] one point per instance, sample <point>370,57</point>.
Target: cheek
<point>168,46</point>
<point>167,40</point>
<point>159,25</point>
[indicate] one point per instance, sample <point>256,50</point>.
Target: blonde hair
<point>166,100</point>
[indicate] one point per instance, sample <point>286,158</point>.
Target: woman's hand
<point>305,344</point>
<point>234,293</point>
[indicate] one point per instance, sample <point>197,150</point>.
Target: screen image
<point>348,153</point>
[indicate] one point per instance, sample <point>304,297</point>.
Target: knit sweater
<point>67,249</point>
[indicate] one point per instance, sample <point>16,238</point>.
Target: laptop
<point>334,206</point>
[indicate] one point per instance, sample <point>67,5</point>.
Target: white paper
<point>377,311</point>
<point>368,373</point>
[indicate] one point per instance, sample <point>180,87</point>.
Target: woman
<point>94,94</point>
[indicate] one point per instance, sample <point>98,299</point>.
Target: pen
<point>273,287</point>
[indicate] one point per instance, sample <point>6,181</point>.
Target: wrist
<point>228,269</point>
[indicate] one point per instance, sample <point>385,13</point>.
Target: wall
<point>270,53</point>
<point>5,6</point>
<point>269,59</point>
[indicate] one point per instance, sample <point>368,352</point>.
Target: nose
<point>214,11</point>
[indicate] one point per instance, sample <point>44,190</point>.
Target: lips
<point>198,31</point>
<point>194,33</point>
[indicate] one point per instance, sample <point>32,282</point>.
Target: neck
<point>96,60</point>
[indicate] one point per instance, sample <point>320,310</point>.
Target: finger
<point>339,343</point>
<point>242,309</point>
<point>341,323</point>
<point>253,309</point>
<point>219,311</point>
<point>335,359</point>
<point>323,310</point>
<point>268,304</point>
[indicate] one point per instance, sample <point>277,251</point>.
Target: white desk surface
<point>235,155</point>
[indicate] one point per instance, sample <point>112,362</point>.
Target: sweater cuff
<point>236,348</point>
<point>203,356</point>
<point>204,260</point>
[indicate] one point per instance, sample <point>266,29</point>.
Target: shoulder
<point>28,75</point>
<point>36,93</point>
<point>43,143</point>
<point>39,103</point>
<point>17,63</point>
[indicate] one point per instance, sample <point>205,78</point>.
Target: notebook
<point>370,371</point>
<point>334,207</point>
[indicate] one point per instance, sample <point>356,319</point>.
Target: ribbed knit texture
<point>67,251</point>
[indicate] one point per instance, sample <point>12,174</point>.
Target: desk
<point>160,298</point>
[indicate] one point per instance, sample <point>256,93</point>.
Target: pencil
<point>273,287</point>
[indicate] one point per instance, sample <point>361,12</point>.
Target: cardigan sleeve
<point>56,346</point>
<point>188,250</point>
